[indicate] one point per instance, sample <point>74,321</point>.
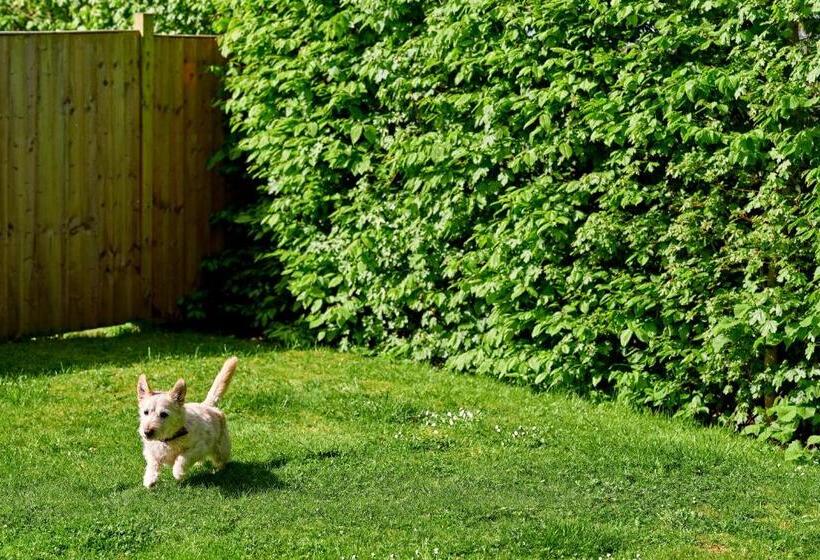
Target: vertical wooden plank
<point>169,176</point>
<point>40,181</point>
<point>62,66</point>
<point>122,192</point>
<point>76,188</point>
<point>102,178</point>
<point>161,147</point>
<point>90,271</point>
<point>29,308</point>
<point>172,77</point>
<point>46,264</point>
<point>121,195</point>
<point>70,195</point>
<point>144,24</point>
<point>15,171</point>
<point>133,99</point>
<point>5,188</point>
<point>196,134</point>
<point>4,185</point>
<point>175,264</point>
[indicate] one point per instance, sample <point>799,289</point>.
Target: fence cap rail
<point>108,32</point>
<point>186,35</point>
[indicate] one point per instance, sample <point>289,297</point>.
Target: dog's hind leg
<point>222,451</point>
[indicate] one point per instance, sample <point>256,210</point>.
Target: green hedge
<point>614,197</point>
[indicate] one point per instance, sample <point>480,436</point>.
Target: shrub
<point>612,197</point>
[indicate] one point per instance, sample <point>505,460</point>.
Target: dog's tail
<point>223,379</point>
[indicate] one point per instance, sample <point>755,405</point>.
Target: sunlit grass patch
<point>341,456</point>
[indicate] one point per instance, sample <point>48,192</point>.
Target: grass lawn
<point>340,456</point>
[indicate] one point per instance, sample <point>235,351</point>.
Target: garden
<point>505,279</point>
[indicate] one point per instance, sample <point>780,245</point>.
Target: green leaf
<point>719,342</point>
<point>355,133</point>
<point>370,133</point>
<point>565,149</point>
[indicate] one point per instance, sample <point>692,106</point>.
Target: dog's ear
<point>177,392</point>
<point>143,390</point>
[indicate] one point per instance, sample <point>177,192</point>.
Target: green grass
<point>337,455</point>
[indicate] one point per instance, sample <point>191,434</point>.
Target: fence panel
<point>79,245</point>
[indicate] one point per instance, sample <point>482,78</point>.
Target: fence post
<point>144,23</point>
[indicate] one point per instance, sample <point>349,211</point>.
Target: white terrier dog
<point>181,434</point>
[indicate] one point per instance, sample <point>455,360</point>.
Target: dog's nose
<point>149,433</point>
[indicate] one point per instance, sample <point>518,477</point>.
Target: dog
<point>182,434</point>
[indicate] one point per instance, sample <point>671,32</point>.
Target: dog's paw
<point>149,481</point>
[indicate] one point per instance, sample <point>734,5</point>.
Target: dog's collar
<point>182,431</point>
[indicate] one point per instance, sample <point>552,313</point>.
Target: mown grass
<point>337,456</point>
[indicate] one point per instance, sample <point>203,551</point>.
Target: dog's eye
<point>163,414</point>
<point>145,412</point>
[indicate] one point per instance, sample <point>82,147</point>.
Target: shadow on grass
<point>240,478</point>
<point>115,347</point>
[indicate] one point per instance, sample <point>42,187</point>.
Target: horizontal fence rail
<point>105,195</point>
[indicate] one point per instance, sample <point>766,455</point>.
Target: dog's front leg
<point>151,473</point>
<point>181,465</point>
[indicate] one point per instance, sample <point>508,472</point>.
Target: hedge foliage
<point>614,197</point>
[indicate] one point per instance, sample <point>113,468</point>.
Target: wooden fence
<point>105,195</point>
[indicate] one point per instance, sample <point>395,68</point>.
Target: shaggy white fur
<point>181,434</point>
